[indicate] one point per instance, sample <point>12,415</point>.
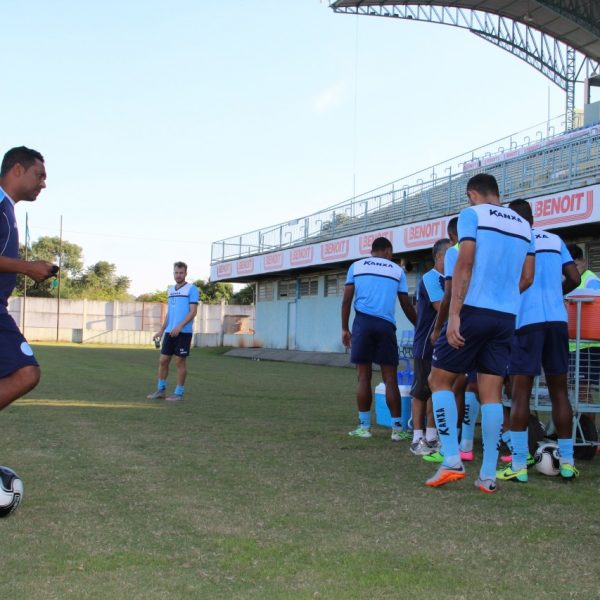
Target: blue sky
<point>169,125</point>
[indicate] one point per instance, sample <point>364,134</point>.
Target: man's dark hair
<point>380,244</point>
<point>20,155</point>
<point>180,265</point>
<point>453,226</point>
<point>575,251</point>
<point>484,184</point>
<point>523,209</point>
<point>438,245</point>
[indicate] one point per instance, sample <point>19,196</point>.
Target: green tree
<point>100,282</point>
<point>214,293</point>
<point>156,296</point>
<point>244,296</point>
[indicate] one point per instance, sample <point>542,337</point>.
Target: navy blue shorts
<point>178,346</point>
<point>373,341</point>
<point>472,376</point>
<point>487,333</point>
<point>589,366</point>
<point>15,352</point>
<point>541,345</point>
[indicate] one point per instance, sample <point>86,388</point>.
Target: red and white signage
<point>572,207</point>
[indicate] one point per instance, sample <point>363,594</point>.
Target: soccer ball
<point>11,491</point>
<point>546,459</point>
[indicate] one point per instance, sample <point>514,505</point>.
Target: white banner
<point>562,209</point>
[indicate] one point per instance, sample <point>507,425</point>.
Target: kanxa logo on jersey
<point>302,256</point>
<point>245,266</point>
<point>366,241</point>
<point>225,269</point>
<point>335,250</point>
<point>273,261</point>
<point>424,234</point>
<point>576,205</point>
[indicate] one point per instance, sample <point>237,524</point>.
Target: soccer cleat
<point>174,397</point>
<point>360,432</point>
<point>434,457</point>
<point>568,471</point>
<point>507,458</point>
<point>507,473</point>
<point>434,444</point>
<point>487,486</point>
<point>400,434</point>
<point>446,475</point>
<point>466,455</point>
<point>421,448</point>
<point>157,395</point>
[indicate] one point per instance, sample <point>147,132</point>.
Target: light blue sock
<point>364,419</point>
<point>491,426</point>
<point>162,385</point>
<point>469,420</point>
<point>565,450</point>
<point>506,437</point>
<point>397,423</point>
<point>180,390</point>
<point>519,441</point>
<point>445,413</point>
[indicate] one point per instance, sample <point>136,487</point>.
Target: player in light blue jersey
<point>177,329</point>
<point>495,264</point>
<point>374,284</point>
<point>465,386</point>
<point>542,340</point>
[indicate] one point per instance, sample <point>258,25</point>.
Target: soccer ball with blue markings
<point>11,491</point>
<point>546,459</point>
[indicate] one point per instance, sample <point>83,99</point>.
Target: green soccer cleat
<point>434,457</point>
<point>568,471</point>
<point>400,434</point>
<point>360,432</point>
<point>507,474</point>
<point>530,460</point>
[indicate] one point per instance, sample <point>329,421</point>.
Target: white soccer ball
<point>11,491</point>
<point>546,459</point>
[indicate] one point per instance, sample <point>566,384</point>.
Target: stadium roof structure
<point>560,38</point>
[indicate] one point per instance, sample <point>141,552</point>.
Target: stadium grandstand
<point>299,267</point>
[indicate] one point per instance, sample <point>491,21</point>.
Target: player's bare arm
<point>460,285</point>
<point>572,278</point>
<point>38,270</point>
<point>442,307</point>
<point>527,273</point>
<point>346,306</point>
<point>408,308</point>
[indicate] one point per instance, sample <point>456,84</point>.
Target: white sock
<point>417,435</point>
<point>431,434</point>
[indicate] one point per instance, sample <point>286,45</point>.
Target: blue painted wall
<point>318,322</point>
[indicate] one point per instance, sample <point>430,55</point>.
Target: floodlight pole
<point>59,280</point>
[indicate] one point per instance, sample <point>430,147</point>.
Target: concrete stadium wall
<point>132,323</point>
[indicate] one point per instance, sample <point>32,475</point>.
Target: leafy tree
<point>156,296</point>
<point>100,282</point>
<point>244,296</point>
<point>214,293</point>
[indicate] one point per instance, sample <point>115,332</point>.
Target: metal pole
<point>59,279</point>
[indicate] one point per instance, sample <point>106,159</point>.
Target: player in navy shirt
<point>375,283</point>
<point>22,178</point>
<point>430,294</point>
<point>182,306</point>
<point>542,340</point>
<point>496,260</point>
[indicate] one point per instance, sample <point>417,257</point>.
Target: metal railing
<point>542,162</point>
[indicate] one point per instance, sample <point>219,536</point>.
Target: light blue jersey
<point>502,241</point>
<point>178,306</point>
<point>543,300</point>
<point>377,283</point>
<point>450,259</point>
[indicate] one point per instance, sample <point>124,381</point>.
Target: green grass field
<point>251,488</point>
